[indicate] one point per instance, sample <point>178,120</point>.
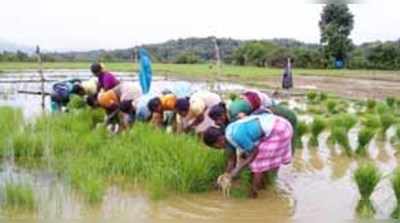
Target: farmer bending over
<point>61,92</point>
<point>262,142</point>
<point>193,111</point>
<point>162,110</point>
<point>120,102</point>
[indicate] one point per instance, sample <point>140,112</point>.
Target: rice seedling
<point>390,101</point>
<point>366,176</point>
<point>10,122</point>
<point>339,136</point>
<point>347,121</point>
<point>19,197</point>
<point>371,121</point>
<point>398,132</point>
<point>365,136</point>
<point>233,96</point>
<point>311,96</point>
<point>315,109</point>
<point>76,102</point>
<point>242,188</point>
<point>371,103</point>
<point>396,188</point>
<point>88,156</point>
<point>301,130</point>
<point>386,120</point>
<point>323,96</point>
<point>331,106</point>
<point>382,108</point>
<point>317,126</point>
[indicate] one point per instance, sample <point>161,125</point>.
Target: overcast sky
<point>108,24</point>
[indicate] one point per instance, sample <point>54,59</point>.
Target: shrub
<point>317,126</point>
<point>365,136</point>
<point>366,176</point>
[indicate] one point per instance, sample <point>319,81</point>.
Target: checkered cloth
<point>274,150</point>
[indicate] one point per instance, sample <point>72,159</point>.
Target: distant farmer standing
<point>287,79</point>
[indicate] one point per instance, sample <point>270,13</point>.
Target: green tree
<point>336,25</point>
<point>254,53</point>
<point>188,58</point>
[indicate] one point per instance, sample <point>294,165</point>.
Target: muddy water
<point>317,186</point>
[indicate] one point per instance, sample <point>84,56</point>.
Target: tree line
<point>335,49</point>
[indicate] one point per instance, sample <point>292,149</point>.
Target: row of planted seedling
<point>323,103</point>
<point>367,176</point>
<point>339,125</point>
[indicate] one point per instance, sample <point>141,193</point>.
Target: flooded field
<point>317,186</point>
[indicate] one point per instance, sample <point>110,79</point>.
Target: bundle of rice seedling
<point>317,126</point>
<point>386,121</point>
<point>339,136</point>
<point>323,96</point>
<point>371,121</point>
<point>382,108</point>
<point>390,101</point>
<point>365,135</point>
<point>301,130</point>
<point>371,103</point>
<point>396,189</point>
<point>331,106</point>
<point>366,176</point>
<point>311,96</point>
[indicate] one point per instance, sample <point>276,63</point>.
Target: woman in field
<point>120,101</point>
<point>106,80</point>
<point>61,93</point>
<point>193,111</point>
<point>261,142</point>
<point>162,109</point>
<point>250,102</point>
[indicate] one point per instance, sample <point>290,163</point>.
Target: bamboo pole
<point>218,65</point>
<point>42,79</point>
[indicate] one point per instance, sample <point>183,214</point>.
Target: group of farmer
<point>255,131</point>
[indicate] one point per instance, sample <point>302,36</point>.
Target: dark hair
<point>77,89</point>
<point>126,106</point>
<point>211,135</point>
<point>96,68</point>
<point>153,104</point>
<point>217,111</point>
<point>91,100</point>
<point>182,104</point>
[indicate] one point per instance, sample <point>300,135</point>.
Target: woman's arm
<point>246,162</point>
<point>231,163</point>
